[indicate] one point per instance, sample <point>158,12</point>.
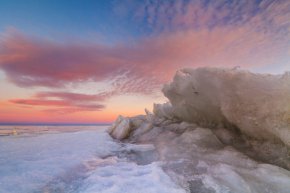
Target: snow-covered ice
<point>82,161</point>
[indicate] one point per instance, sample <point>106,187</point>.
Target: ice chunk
<point>259,105</point>
<point>121,128</point>
<point>145,127</point>
<point>141,147</point>
<point>225,178</point>
<point>115,124</point>
<point>163,110</point>
<point>198,155</point>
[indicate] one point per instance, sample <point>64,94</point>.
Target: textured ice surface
<point>259,105</point>
<point>222,131</point>
<point>198,155</point>
<point>199,162</point>
<point>29,162</point>
<point>78,162</point>
<point>130,178</point>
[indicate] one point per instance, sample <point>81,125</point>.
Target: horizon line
<point>53,123</point>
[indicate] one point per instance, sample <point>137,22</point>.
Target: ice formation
<point>223,130</point>
<point>259,105</point>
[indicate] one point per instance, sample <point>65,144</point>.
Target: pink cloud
<point>72,96</point>
<point>29,62</point>
<point>189,34</point>
<point>40,102</point>
<point>69,110</point>
<point>63,102</point>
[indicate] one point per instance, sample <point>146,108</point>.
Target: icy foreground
<point>84,161</point>
<point>221,131</point>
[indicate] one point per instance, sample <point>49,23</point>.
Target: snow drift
<point>223,130</point>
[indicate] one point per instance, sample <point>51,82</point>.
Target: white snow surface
<point>83,161</point>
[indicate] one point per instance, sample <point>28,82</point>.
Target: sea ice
<point>222,130</point>
<point>79,162</point>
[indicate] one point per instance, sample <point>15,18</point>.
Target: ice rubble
<point>223,130</point>
<point>259,105</point>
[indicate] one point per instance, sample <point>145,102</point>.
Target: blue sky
<point>76,19</point>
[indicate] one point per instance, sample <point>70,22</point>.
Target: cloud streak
<point>68,96</point>
<point>63,102</point>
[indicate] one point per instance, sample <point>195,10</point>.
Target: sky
<point>87,61</point>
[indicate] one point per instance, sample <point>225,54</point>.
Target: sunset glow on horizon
<point>90,61</point>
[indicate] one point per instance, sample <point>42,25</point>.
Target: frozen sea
<point>85,159</point>
<point>72,159</point>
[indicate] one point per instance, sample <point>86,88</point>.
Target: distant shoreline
<point>54,124</point>
<point>15,129</point>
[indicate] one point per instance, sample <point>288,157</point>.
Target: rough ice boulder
<point>209,166</point>
<point>121,128</point>
<point>124,127</point>
<point>163,111</point>
<point>257,104</point>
